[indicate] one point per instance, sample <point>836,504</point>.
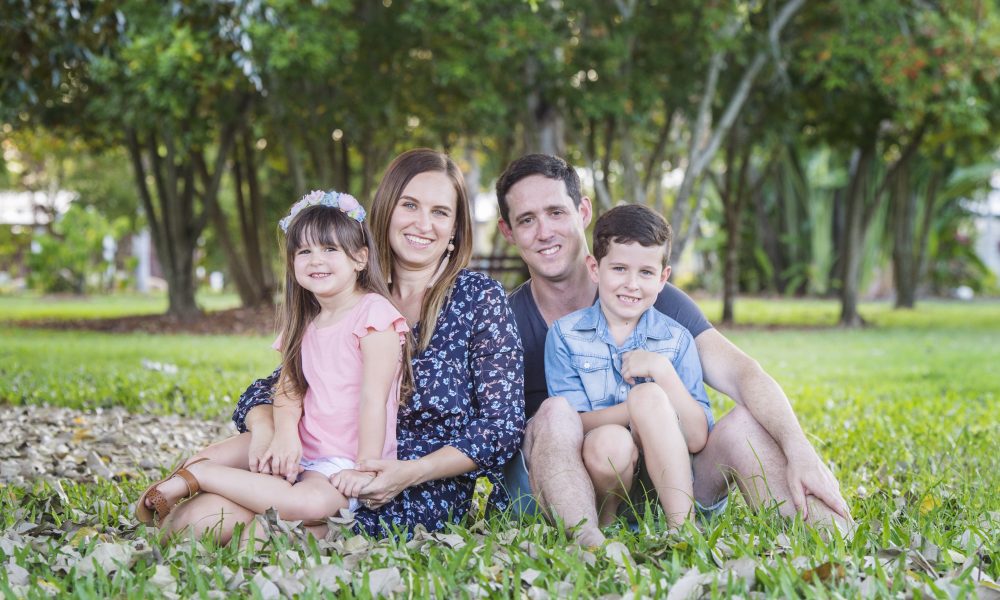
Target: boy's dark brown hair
<point>632,223</point>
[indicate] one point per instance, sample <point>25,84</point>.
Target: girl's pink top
<point>332,365</point>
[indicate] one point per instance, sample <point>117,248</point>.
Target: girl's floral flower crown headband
<point>345,202</point>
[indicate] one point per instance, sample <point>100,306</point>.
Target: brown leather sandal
<point>146,515</point>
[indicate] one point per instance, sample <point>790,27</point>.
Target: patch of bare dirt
<point>236,321</point>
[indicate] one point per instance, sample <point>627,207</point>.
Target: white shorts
<point>328,466</point>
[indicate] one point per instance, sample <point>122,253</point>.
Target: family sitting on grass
<point>405,377</point>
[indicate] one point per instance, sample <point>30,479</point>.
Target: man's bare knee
<point>555,414</point>
<point>556,426</point>
<point>740,443</point>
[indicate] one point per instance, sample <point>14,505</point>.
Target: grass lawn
<point>905,412</point>
<point>31,306</point>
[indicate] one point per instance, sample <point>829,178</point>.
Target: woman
<point>465,417</point>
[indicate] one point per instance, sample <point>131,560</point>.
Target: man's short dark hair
<point>628,224</point>
<point>545,165</point>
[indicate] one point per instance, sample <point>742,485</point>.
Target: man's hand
<point>284,455</point>
<point>349,482</point>
<point>808,475</point>
<point>643,363</point>
<point>391,478</point>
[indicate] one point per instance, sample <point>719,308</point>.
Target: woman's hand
<point>284,455</point>
<point>350,482</point>
<point>391,478</point>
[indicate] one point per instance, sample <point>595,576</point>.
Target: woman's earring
<point>444,263</point>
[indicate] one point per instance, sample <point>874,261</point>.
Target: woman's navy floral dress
<point>469,394</point>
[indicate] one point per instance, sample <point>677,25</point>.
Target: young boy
<point>632,372</point>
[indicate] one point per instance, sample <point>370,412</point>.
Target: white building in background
<point>33,209</point>
<point>988,227</point>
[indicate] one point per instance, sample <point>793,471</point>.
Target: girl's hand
<point>260,441</point>
<point>284,455</point>
<point>643,363</point>
<point>350,482</point>
<point>391,478</point>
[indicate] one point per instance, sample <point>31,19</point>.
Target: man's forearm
<point>767,402</point>
<point>730,371</point>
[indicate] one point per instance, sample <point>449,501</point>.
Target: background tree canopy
<point>796,145</point>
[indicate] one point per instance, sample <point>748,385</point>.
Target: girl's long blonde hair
<point>404,168</point>
<point>325,226</point>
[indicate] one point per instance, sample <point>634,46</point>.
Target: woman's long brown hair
<point>404,168</point>
<point>325,226</point>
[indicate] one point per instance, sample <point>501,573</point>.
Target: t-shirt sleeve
<point>680,307</point>
<point>562,378</point>
<point>380,315</point>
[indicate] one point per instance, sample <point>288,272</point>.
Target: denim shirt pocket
<point>594,374</point>
<point>666,348</point>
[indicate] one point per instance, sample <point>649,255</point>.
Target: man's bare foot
<point>589,536</point>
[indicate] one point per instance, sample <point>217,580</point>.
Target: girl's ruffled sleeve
<point>381,315</point>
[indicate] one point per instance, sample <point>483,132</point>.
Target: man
<point>759,445</point>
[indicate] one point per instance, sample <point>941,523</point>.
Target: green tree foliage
<point>226,111</point>
<point>71,257</point>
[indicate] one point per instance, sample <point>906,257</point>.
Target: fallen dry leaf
<point>385,581</point>
<point>106,557</point>
<point>689,585</point>
<point>826,572</point>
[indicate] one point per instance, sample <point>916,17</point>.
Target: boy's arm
<point>643,363</point>
<point>697,409</point>
<point>612,415</point>
<point>564,380</point>
<point>560,375</point>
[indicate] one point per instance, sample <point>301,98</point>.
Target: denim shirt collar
<point>652,325</point>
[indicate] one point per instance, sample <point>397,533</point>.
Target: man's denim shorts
<point>518,486</point>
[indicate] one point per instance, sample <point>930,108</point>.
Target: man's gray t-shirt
<point>672,302</point>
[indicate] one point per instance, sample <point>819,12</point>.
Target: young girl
<point>344,356</point>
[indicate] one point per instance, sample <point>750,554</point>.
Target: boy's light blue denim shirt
<point>583,363</point>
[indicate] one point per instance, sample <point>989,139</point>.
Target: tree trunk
<point>544,131</point>
<point>852,245</point>
<point>733,202</point>
<point>172,224</point>
<point>705,141</point>
<point>903,218</point>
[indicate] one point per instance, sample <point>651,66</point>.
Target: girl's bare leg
<point>207,514</point>
<point>312,497</point>
<point>231,452</point>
